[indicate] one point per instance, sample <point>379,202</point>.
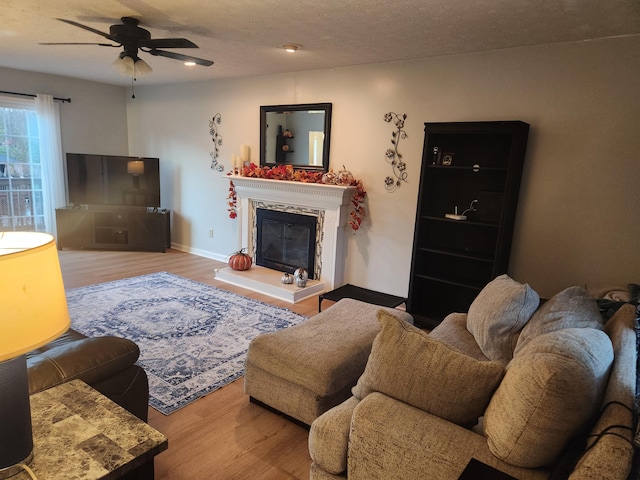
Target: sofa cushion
<point>497,315</point>
<point>551,390</point>
<point>408,365</point>
<point>452,331</point>
<point>570,308</point>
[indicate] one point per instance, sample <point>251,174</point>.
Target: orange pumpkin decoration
<point>240,261</point>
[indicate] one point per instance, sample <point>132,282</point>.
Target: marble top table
<point>80,434</point>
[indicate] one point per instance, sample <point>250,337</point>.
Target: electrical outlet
<point>211,233</point>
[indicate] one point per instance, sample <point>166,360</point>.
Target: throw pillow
<point>570,308</point>
<point>550,392</point>
<point>497,315</point>
<point>408,365</point>
<point>452,331</point>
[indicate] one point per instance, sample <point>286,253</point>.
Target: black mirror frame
<point>327,107</point>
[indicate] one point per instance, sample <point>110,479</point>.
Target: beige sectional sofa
<point>532,391</point>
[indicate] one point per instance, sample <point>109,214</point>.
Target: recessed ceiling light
<point>291,47</point>
<point>189,64</point>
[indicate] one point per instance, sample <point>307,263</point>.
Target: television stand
<point>113,229</point>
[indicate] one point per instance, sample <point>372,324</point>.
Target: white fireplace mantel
<point>315,195</point>
<point>333,200</point>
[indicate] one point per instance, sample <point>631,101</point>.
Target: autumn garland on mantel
<point>287,172</point>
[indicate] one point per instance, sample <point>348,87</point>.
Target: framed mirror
<point>297,135</point>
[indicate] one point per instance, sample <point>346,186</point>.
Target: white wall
<point>94,122</point>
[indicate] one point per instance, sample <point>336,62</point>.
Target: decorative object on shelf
<point>238,162</point>
<point>394,157</point>
<point>473,207</point>
<point>217,141</point>
<point>287,172</point>
<point>301,276</point>
<point>330,178</point>
<point>287,133</point>
<point>240,260</point>
<point>345,178</point>
<point>287,278</point>
<point>447,158</point>
<point>245,153</point>
<point>436,156</point>
<point>455,215</point>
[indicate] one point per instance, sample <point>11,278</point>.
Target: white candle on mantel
<point>244,153</point>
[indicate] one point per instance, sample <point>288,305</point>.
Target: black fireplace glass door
<point>286,242</point>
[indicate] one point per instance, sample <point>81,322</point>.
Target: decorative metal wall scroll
<point>394,157</point>
<point>217,141</point>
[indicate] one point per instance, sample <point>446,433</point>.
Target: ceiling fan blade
<point>85,27</point>
<point>169,43</point>
<point>179,56</point>
<point>79,43</point>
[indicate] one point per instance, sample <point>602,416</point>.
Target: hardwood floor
<point>221,436</point>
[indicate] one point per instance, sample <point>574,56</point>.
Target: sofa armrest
<point>329,437</point>
<point>87,359</point>
<point>392,440</point>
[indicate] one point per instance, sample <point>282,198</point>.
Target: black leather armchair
<point>106,363</point>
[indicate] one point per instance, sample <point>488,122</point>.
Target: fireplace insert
<point>285,241</point>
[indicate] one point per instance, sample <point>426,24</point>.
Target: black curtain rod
<point>63,100</point>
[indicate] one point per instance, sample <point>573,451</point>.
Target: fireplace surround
<point>330,204</point>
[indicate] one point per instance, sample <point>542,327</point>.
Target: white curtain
<point>50,159</point>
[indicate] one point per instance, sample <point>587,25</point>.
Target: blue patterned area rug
<point>193,337</point>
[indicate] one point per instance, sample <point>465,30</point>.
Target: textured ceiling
<point>242,36</point>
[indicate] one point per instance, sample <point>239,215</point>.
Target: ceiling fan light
<point>129,67</point>
<point>142,68</point>
<point>124,66</point>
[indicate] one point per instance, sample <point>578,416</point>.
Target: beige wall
<point>577,220</point>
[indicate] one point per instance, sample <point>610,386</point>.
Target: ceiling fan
<point>134,38</point>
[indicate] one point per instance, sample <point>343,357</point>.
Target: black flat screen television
<point>109,180</point>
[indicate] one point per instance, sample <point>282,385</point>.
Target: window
<point>21,184</point>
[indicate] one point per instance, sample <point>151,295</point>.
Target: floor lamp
<point>34,312</point>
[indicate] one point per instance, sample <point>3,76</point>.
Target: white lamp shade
<point>34,304</point>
